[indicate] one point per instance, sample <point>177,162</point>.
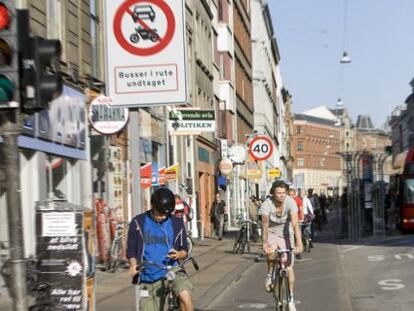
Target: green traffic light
<point>7,89</point>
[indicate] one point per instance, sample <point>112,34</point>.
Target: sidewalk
<point>218,268</point>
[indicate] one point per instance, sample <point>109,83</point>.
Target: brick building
<point>315,147</point>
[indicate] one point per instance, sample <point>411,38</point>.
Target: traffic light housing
<point>9,56</point>
<point>48,85</point>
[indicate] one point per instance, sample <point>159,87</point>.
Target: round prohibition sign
<point>125,9</point>
<point>261,148</point>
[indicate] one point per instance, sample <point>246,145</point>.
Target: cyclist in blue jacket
<point>160,237</point>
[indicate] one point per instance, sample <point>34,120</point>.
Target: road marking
<point>260,305</point>
<point>376,258</point>
<point>352,248</point>
<point>391,284</point>
<point>303,259</point>
<point>408,255</point>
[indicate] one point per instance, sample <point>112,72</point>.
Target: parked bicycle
<point>306,235</point>
<point>280,281</point>
<point>115,253</point>
<point>172,302</point>
<point>243,236</point>
<point>43,301</point>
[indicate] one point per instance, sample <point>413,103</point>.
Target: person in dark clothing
<point>160,237</point>
<point>217,215</point>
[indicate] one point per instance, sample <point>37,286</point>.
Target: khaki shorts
<point>282,242</point>
<point>156,292</point>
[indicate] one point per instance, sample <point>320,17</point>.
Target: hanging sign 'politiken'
<point>145,52</point>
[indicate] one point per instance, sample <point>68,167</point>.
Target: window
<point>299,146</point>
<point>94,38</point>
<point>299,130</point>
<point>301,162</point>
<point>220,11</point>
<point>54,19</point>
<point>221,66</point>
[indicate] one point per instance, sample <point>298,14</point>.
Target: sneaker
<point>292,305</point>
<point>268,283</point>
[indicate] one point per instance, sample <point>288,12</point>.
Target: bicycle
<point>306,236</point>
<point>190,242</point>
<point>43,301</point>
<point>242,239</point>
<point>173,303</point>
<point>280,281</point>
<point>115,259</point>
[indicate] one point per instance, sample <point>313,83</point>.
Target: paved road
<point>376,274</point>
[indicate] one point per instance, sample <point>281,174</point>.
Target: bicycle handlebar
<point>140,268</point>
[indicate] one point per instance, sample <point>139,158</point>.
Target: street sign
<point>273,172</point>
<point>105,118</point>
<point>260,147</point>
<point>145,52</point>
<point>191,121</point>
<point>238,153</point>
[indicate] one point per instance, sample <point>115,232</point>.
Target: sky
<point>378,36</point>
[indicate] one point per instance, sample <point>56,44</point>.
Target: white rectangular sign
<point>58,224</point>
<point>145,52</point>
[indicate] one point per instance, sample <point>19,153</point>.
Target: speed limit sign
<point>261,148</point>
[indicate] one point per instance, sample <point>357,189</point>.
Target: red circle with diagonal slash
<point>163,43</point>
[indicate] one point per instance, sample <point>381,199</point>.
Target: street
<point>373,275</point>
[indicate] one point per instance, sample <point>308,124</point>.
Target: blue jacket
<point>135,243</point>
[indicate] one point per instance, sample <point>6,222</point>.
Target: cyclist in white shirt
<point>280,230</point>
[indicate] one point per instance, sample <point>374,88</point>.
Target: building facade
<point>316,144</point>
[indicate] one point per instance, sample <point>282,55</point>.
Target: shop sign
<point>274,172</point>
<point>171,173</point>
<point>191,121</point>
<point>161,176</point>
<point>107,119</point>
<point>226,166</point>
<point>146,175</point>
<point>253,170</point>
<point>61,129</point>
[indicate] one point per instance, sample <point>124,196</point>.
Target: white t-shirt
<point>279,224</point>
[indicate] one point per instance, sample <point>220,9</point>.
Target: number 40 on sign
<point>261,148</point>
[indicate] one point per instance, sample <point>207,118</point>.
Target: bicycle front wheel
<point>284,293</point>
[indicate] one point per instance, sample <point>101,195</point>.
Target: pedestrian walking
<point>217,215</point>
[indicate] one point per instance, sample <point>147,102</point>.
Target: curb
<point>206,298</point>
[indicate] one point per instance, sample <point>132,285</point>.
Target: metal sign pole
<point>134,151</point>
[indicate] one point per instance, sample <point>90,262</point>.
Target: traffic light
<point>48,85</point>
<point>9,56</point>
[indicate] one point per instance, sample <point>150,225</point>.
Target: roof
<point>312,119</point>
<point>321,112</point>
<point>364,122</point>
